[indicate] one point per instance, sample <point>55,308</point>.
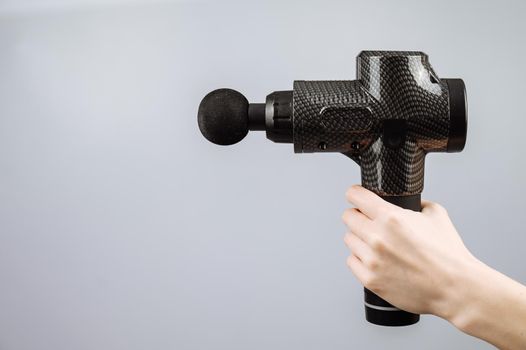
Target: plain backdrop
<point>121,227</point>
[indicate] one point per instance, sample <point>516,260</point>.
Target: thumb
<point>432,208</point>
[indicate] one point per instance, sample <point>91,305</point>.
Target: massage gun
<point>387,120</point>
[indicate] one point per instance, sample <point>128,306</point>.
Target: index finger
<point>366,201</point>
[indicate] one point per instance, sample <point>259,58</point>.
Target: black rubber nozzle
<point>223,117</point>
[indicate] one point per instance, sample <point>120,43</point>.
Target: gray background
<point>122,228</point>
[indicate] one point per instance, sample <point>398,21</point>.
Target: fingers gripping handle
<point>377,310</point>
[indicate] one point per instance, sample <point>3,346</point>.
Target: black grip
<point>377,310</point>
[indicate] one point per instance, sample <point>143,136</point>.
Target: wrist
<point>462,294</point>
<point>488,305</point>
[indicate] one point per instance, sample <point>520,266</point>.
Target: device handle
<point>377,310</point>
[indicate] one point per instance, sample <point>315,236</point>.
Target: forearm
<point>489,305</point>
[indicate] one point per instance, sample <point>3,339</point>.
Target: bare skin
<point>394,250</point>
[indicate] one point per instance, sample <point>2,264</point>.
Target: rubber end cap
<point>390,318</point>
<point>458,115</point>
<point>223,117</point>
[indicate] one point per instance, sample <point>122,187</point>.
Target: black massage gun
<point>387,120</point>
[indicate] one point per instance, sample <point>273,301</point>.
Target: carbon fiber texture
<point>350,117</point>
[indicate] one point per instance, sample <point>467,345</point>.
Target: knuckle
<point>373,264</point>
<point>377,244</point>
<point>390,218</point>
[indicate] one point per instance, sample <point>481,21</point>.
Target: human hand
<point>417,262</point>
<point>413,260</point>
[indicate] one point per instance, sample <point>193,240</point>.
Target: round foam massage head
<point>223,117</point>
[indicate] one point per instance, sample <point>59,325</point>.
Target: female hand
<point>417,262</point>
<point>411,259</point>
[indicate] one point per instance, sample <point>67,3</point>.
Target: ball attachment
<point>223,117</point>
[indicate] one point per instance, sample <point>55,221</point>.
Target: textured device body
<point>386,120</point>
